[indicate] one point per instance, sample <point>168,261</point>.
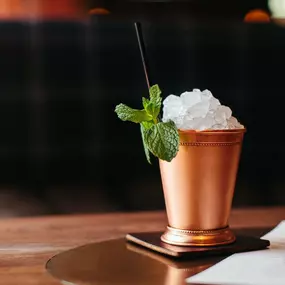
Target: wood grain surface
<point>27,243</point>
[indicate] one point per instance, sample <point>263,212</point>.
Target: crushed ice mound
<point>198,110</point>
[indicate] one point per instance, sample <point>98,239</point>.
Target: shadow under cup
<point>198,186</point>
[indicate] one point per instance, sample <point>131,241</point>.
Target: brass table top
<point>28,243</point>
<point>119,262</point>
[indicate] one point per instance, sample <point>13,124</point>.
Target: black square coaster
<point>151,240</point>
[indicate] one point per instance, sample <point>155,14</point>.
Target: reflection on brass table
<point>120,262</point>
<point>27,243</point>
<point>117,262</point>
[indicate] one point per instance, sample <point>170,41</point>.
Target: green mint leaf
<point>145,102</point>
<point>126,113</point>
<point>154,93</point>
<point>162,140</point>
<point>146,151</point>
<point>147,125</point>
<point>153,109</point>
<point>153,105</point>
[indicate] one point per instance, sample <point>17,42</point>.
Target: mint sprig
<point>146,150</point>
<point>159,138</point>
<point>162,140</point>
<point>125,113</point>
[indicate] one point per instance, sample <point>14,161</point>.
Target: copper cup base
<point>198,237</point>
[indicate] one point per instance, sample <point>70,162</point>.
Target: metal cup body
<point>199,185</point>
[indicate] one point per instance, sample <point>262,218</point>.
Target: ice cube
<point>218,127</point>
<point>189,99</point>
<point>190,124</point>
<point>178,121</point>
<point>222,114</point>
<point>186,122</point>
<point>214,104</point>
<point>227,111</point>
<point>207,123</point>
<point>172,107</point>
<point>171,99</point>
<point>232,121</point>
<point>202,124</point>
<point>234,124</point>
<point>199,110</point>
<point>207,93</point>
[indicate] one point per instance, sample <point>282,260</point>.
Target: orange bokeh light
<point>99,11</point>
<point>46,9</point>
<point>257,16</point>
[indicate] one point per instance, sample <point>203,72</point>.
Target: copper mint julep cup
<point>198,186</point>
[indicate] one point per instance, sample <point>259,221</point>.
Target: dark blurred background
<point>66,64</point>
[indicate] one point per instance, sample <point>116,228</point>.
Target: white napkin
<point>262,267</point>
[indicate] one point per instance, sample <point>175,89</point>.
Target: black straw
<point>143,52</point>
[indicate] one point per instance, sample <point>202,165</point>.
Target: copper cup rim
<point>216,132</point>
